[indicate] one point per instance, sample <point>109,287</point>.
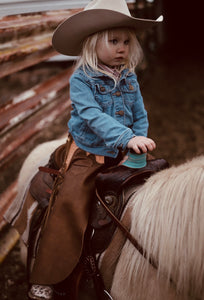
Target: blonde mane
<point>168,221</point>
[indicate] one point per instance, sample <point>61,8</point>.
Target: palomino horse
<point>166,216</point>
<point>167,219</point>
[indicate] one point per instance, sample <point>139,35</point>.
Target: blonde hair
<point>89,59</point>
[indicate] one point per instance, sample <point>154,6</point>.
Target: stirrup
<point>40,292</point>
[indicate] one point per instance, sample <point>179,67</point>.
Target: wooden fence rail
<point>25,40</point>
<point>27,116</point>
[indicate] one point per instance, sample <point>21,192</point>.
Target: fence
<point>31,105</point>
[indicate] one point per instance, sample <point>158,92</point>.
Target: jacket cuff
<point>124,139</point>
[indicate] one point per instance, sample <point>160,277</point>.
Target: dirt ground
<point>173,93</point>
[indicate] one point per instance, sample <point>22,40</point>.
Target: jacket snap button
<point>131,87</point>
<point>118,93</point>
<point>102,88</point>
<point>120,112</point>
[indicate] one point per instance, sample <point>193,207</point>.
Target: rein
<point>126,232</point>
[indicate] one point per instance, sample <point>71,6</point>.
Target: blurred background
<point>34,94</point>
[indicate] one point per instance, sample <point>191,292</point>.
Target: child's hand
<point>141,144</point>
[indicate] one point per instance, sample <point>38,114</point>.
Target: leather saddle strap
<point>58,181</point>
<point>128,234</point>
<point>49,170</point>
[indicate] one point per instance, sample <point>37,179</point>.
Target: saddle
<point>114,187</point>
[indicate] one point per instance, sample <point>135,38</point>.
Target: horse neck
<point>167,220</point>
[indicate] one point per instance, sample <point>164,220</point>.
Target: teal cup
<point>135,161</point>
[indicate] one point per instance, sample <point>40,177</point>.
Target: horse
<point>166,216</point>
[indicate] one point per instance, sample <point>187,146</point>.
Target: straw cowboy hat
<point>98,15</point>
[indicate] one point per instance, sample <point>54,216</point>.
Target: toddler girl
<point>107,118</point>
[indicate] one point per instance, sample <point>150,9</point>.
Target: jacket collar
<point>125,73</point>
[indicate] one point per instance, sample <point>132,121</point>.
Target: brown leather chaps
<point>60,246</point>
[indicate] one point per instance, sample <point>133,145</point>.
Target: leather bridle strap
<point>126,232</point>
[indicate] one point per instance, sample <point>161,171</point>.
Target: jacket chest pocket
<point>103,95</point>
<point>129,89</point>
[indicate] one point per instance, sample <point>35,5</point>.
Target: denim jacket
<point>105,116</point>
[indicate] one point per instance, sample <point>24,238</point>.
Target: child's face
<point>115,51</point>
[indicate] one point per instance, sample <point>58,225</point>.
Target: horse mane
<point>168,221</point>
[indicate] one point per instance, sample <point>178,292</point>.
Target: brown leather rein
<point>126,232</point>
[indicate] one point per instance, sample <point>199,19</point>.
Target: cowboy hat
<point>98,15</point>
